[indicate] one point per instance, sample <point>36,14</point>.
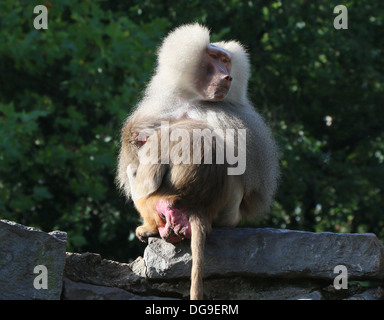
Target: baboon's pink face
<point>213,79</point>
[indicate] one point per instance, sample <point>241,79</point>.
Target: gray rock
<point>315,295</point>
<point>21,250</point>
<point>271,253</point>
<point>369,294</point>
<point>91,268</point>
<point>84,291</point>
<point>242,288</point>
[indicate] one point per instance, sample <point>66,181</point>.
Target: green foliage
<point>64,94</point>
<point>65,91</point>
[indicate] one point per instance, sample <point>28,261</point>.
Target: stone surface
<point>102,279</point>
<point>263,264</point>
<point>243,288</point>
<point>84,291</point>
<point>271,253</point>
<point>21,250</point>
<point>369,294</point>
<point>91,268</point>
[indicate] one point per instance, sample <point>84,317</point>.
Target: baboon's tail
<point>200,230</point>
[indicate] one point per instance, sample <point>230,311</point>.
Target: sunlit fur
<point>171,94</point>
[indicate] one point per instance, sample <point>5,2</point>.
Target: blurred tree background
<point>65,91</point>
